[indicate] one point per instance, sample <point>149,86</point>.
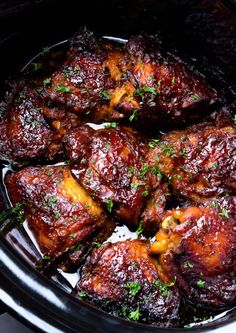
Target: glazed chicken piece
<point>111,164</point>
<point>59,212</point>
<point>29,129</point>
<point>136,80</point>
<point>197,245</point>
<point>106,164</point>
<point>200,161</point>
<point>124,280</point>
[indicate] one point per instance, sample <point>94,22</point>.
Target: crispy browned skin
<point>123,278</point>
<point>110,163</point>
<point>59,211</point>
<point>198,246</point>
<point>29,129</point>
<point>115,82</point>
<point>199,161</point>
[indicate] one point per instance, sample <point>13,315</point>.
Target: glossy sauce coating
<point>59,211</point>
<point>198,246</point>
<point>117,174</point>
<point>125,280</point>
<point>30,130</point>
<point>200,161</point>
<point>106,162</point>
<point>111,82</point>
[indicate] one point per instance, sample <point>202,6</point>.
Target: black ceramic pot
<point>204,28</point>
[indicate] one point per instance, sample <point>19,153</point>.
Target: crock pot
<point>201,28</point>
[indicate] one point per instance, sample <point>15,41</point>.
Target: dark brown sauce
<point>23,240</point>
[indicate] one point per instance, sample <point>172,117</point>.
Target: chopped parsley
<point>52,200</point>
<point>140,228</point>
<point>213,165</point>
<point>67,73</point>
<point>200,283</point>
<point>183,153</point>
<point>47,81</point>
<point>111,125</point>
<point>215,204</point>
<point>61,88</point>
<point>46,257</point>
<point>104,94</point>
<point>110,205</point>
<point>82,294</point>
<point>18,210</point>
<point>135,315</point>
<point>133,116</point>
<point>143,171</point>
<point>167,150</point>
<point>188,265</point>
<point>76,70</point>
<point>10,217</point>
<point>140,91</point>
<point>57,215</point>
<point>72,235</point>
<point>76,247</point>
<point>133,287</point>
<point>194,97</point>
<point>163,287</point>
<point>106,148</point>
<point>97,244</point>
<point>156,171</point>
<point>135,185</point>
<point>153,143</point>
<point>224,213</point>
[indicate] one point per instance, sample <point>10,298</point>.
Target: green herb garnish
<point>200,283</point>
<point>133,116</point>
<point>57,215</point>
<point>82,294</point>
<point>140,91</point>
<point>135,315</point>
<point>110,205</point>
<point>163,287</point>
<point>188,265</point>
<point>195,97</point>
<point>167,150</point>
<point>140,228</point>
<point>111,125</point>
<point>104,94</point>
<point>133,287</point>
<point>153,143</point>
<point>61,88</point>
<point>97,244</point>
<point>47,81</point>
<point>224,213</point>
<point>46,258</point>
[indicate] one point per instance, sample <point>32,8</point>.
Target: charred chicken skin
<point>125,280</point>
<point>137,79</point>
<point>199,162</point>
<point>197,245</point>
<point>59,211</point>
